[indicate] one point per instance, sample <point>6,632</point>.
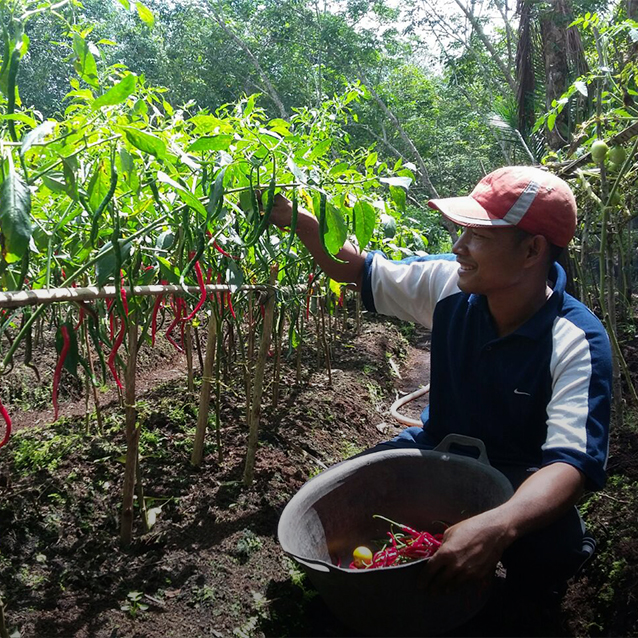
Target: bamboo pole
<point>188,346</point>
<point>258,384</point>
<point>132,438</point>
<point>204,397</point>
<point>17,299</point>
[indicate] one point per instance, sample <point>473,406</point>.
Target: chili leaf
<point>118,93</point>
<point>85,65</point>
<point>15,217</point>
<point>185,195</point>
<point>106,264</point>
<point>212,143</point>
<point>36,135</point>
<point>365,219</point>
<point>146,142</point>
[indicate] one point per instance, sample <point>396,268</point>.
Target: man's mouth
<point>465,267</point>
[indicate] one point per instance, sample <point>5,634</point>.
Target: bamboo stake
<point>324,341</point>
<point>188,344</point>
<point>277,373</point>
<point>258,385</point>
<point>204,397</point>
<point>132,438</point>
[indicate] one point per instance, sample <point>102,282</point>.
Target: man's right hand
<point>281,214</point>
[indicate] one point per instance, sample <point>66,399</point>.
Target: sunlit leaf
<point>337,231</point>
<point>85,65</point>
<point>185,195</point>
<point>146,142</point>
<point>319,150</point>
<point>145,14</point>
<point>15,217</point>
<point>400,180</point>
<point>211,143</point>
<point>365,218</point>
<point>37,135</point>
<point>118,93</point>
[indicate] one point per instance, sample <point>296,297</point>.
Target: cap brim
<point>466,211</point>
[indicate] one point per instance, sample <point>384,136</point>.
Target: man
<point>515,361</point>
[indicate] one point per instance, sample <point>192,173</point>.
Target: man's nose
<point>460,243</point>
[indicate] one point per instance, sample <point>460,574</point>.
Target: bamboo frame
<point>18,299</point>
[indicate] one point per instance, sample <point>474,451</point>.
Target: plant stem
<point>258,385</point>
<point>132,438</point>
<point>204,397</point>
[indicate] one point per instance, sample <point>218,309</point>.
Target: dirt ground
<point>211,564</point>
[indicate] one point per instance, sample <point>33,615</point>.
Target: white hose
<point>406,420</point>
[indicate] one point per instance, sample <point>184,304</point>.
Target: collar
<point>542,321</point>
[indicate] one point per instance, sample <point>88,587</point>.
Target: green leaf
<point>398,196</point>
<point>118,93</point>
<point>321,149</point>
<point>15,217</point>
<point>126,4</point>
<point>365,219</point>
<point>551,120</point>
<point>55,182</point>
<point>185,195</point>
<point>85,65</point>
<point>212,143</point>
<point>36,135</point>
<point>146,142</point>
<point>146,15</point>
<point>105,265</point>
<point>99,185</point>
<point>165,240</point>
<point>337,232</point>
<point>371,160</point>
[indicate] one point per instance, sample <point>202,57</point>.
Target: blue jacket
<point>539,395</point>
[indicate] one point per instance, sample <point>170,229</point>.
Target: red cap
<point>534,200</point>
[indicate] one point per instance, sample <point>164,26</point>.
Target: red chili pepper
<point>230,305</point>
<point>340,303</point>
<point>118,342</point>
<point>178,316</point>
<point>66,343</point>
<point>219,249</point>
<point>209,275</point>
<point>80,318</point>
<point>7,420</point>
<point>202,291</point>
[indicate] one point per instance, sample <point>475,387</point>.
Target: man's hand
<point>472,548</point>
<point>470,551</point>
<point>281,215</point>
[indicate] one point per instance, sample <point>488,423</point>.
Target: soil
<point>211,564</point>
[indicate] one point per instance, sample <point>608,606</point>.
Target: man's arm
<point>351,271</point>
<point>472,548</point>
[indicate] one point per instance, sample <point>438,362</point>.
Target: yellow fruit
<point>599,150</point>
<point>362,556</point>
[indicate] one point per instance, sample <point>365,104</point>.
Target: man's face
<point>490,260</point>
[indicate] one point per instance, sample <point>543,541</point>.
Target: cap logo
<point>522,204</point>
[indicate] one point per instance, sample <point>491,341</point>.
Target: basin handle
<point>462,439</point>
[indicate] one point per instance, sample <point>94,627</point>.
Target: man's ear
<point>536,249</point>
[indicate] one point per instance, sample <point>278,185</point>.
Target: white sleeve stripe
<point>410,291</point>
<point>571,372</point>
